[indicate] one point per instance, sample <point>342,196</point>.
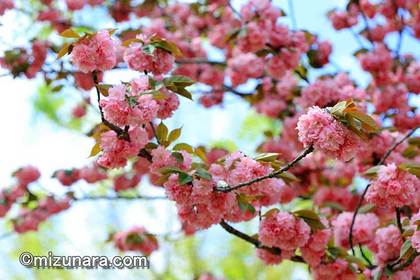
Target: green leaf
<point>174,135</point>
<point>338,108</point>
<point>148,49</point>
<point>131,100</point>
<point>202,173</point>
<point>178,156</point>
<point>266,157</point>
<point>367,121</point>
<point>95,150</point>
<point>356,260</point>
<point>201,153</point>
<point>166,45</point>
<point>104,88</point>
<point>366,208</point>
<point>414,141</point>
<point>179,80</point>
<point>65,49</point>
<point>406,250</point>
<point>169,170</point>
<point>184,178</point>
<point>410,152</point>
<point>288,177</point>
<point>183,147</point>
<point>177,84</point>
<point>128,42</point>
<point>372,172</point>
<point>271,212</point>
<point>413,168</point>
<point>162,132</point>
<point>70,33</point>
<point>311,218</point>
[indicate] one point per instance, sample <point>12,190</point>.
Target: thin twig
<point>398,218</point>
<point>234,10</point>
<point>306,152</point>
<point>234,91</point>
<point>364,256</point>
<point>154,132</point>
<point>120,132</point>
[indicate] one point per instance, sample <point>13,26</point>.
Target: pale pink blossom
<point>283,230</point>
<point>393,187</point>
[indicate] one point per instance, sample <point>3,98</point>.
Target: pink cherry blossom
<point>95,53</point>
<point>283,230</point>
<point>393,187</point>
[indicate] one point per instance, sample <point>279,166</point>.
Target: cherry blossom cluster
<point>333,135</point>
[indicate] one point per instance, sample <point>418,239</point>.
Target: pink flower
<point>412,77</point>
<point>269,258</point>
<point>341,20</point>
<point>75,4</point>
<point>393,187</point>
<point>320,129</point>
<point>27,174</point>
<point>95,2</point>
<point>167,105</point>
<point>363,230</point>
<point>415,240</point>
<point>337,270</point>
<point>388,243</point>
<point>243,67</point>
<point>95,53</point>
<point>92,174</point>
<point>136,239</point>
<point>315,248</point>
<point>176,192</point>
<point>283,230</point>
<point>328,91</point>
<point>85,80</point>
<point>124,182</point>
<point>159,62</point>
<point>79,111</point>
<point>6,5</point>
<point>39,53</point>
<point>123,108</point>
<point>67,177</point>
<point>117,150</point>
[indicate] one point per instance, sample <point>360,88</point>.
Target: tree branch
<point>306,152</point>
<point>198,60</point>
<point>255,242</point>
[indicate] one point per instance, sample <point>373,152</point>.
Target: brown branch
<point>198,60</point>
<point>234,91</point>
<point>120,132</point>
<point>305,152</point>
<point>255,242</point>
<point>154,132</point>
<point>360,202</point>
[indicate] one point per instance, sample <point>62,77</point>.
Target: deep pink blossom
<point>97,52</point>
